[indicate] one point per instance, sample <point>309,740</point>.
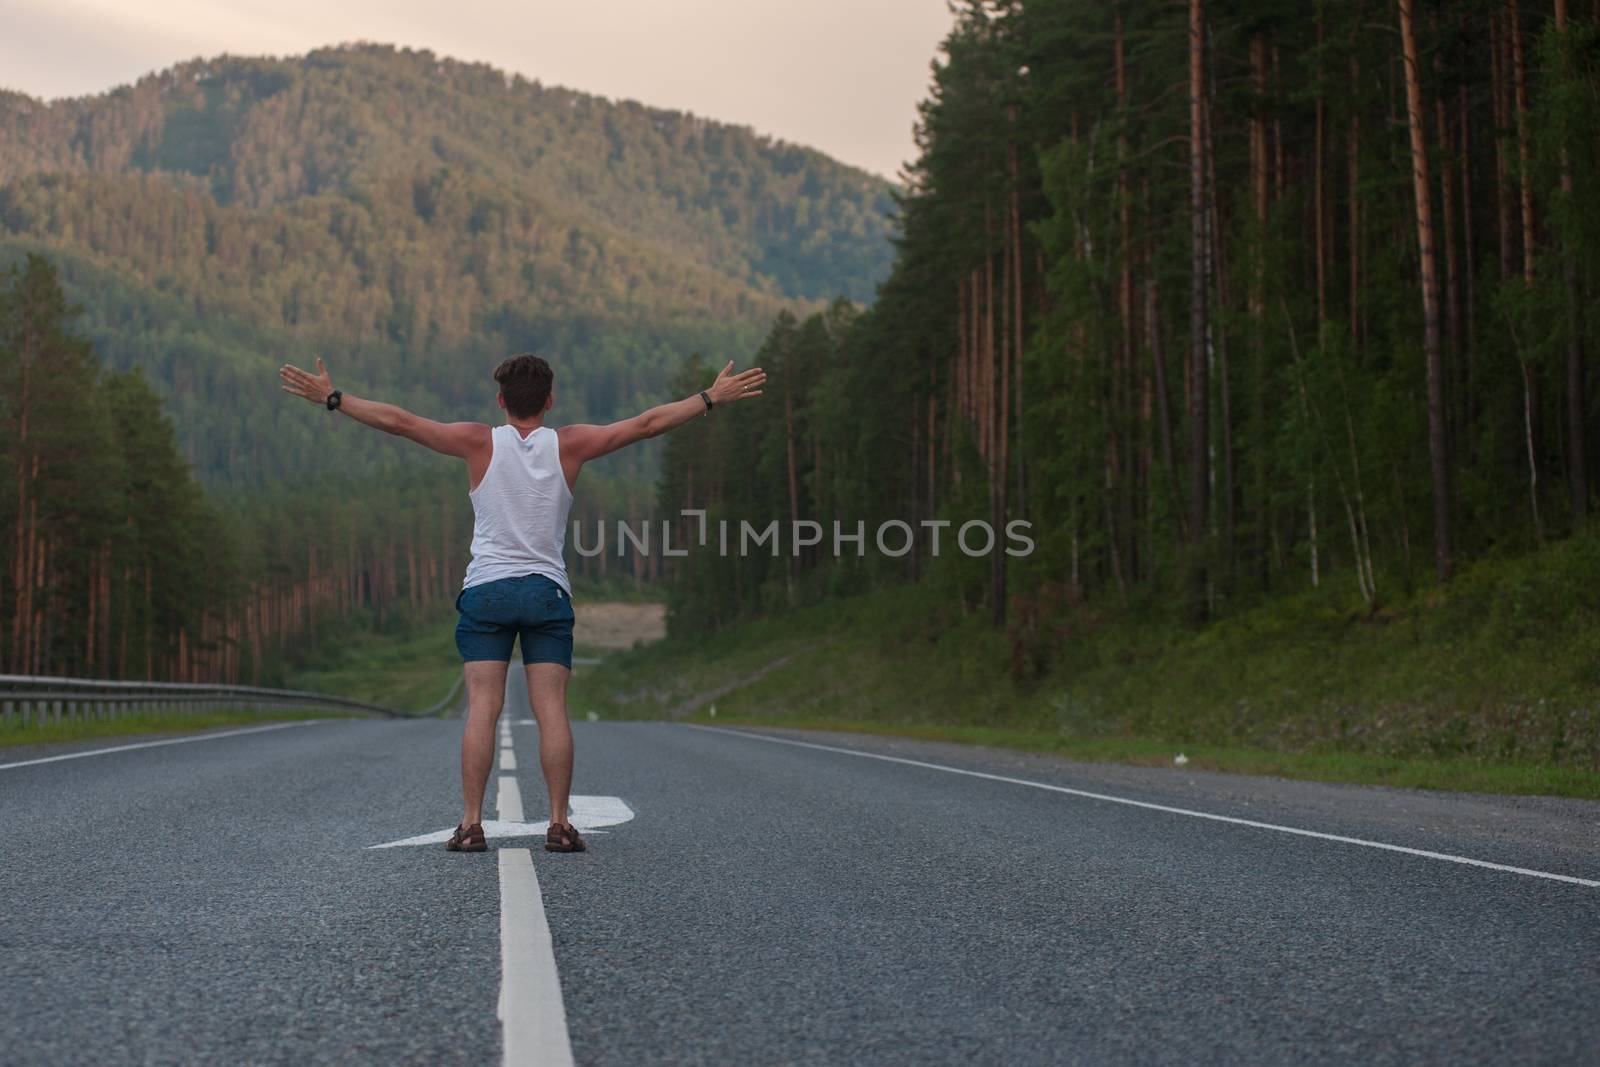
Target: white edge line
<point>533,1018</point>
<point>1424,853</point>
<point>169,741</point>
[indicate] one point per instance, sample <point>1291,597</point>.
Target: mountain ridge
<point>223,118</point>
<point>416,217</point>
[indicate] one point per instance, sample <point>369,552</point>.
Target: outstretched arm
<point>581,443</point>
<point>466,440</point>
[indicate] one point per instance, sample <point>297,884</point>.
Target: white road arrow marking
<point>586,813</point>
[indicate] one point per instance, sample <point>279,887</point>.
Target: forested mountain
<point>413,220</point>
<point>1228,298</point>
<point>464,144</point>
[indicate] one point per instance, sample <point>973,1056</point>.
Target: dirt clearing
<point>611,624</point>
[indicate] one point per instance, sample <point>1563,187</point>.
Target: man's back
<point>520,509</point>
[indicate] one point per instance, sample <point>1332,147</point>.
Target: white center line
<point>533,1019</point>
<point>509,803</point>
<point>1424,853</point>
<point>508,760</point>
<point>170,741</point>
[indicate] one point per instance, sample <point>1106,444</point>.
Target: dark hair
<point>525,382</point>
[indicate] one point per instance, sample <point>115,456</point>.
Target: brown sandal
<point>561,838</point>
<point>468,839</point>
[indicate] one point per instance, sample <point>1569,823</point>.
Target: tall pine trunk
<point>1258,280</point>
<point>1353,223</point>
<point>1502,185</point>
<point>1519,96</point>
<point>1217,264</point>
<point>1199,381</point>
<point>1438,444</point>
<point>1469,259</point>
<point>789,463</point>
<point>1447,211</point>
<point>1519,81</point>
<point>1577,423</point>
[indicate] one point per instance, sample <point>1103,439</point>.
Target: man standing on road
<point>520,478</point>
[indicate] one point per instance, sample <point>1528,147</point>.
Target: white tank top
<point>520,510</point>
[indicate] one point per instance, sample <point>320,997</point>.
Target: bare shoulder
<point>478,440</point>
<point>471,434</point>
<point>576,430</point>
<point>464,439</point>
<point>578,438</point>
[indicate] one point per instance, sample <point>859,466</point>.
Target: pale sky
<point>843,76</point>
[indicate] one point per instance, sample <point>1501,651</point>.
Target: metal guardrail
<point>449,699</point>
<point>36,700</point>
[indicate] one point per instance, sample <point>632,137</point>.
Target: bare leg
<point>547,695</point>
<point>486,692</point>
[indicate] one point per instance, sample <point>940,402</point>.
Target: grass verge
<point>148,724</point>
<point>1490,684</point>
<point>1453,775</point>
<point>409,669</point>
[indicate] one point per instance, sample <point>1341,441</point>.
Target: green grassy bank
<point>413,667</point>
<point>130,725</point>
<point>1491,684</point>
<point>408,669</point>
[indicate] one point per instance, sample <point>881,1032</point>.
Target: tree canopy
<point>1226,298</point>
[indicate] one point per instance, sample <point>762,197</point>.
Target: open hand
<point>730,387</point>
<point>314,387</point>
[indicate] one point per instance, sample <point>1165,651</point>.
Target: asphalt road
<point>215,902</point>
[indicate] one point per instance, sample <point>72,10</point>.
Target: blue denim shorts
<point>494,613</point>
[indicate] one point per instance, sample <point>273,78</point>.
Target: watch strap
<point>707,398</point>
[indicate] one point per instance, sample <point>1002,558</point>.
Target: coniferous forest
<point>411,219</point>
<point>1227,299</point>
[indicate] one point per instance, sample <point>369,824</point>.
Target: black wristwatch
<point>707,398</point>
<point>333,399</point>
